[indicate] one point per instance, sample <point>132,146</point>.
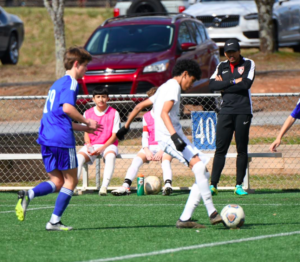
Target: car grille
<point>143,87</point>
<point>220,20</point>
<point>113,88</point>
<point>251,34</point>
<point>223,40</point>
<point>110,72</point>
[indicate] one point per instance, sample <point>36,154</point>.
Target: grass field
<point>143,229</point>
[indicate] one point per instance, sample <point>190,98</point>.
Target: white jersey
<point>169,91</point>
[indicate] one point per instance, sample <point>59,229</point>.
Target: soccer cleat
<point>103,191</point>
<point>240,191</point>
<point>213,190</point>
<point>23,202</point>
<point>167,190</point>
<point>215,218</point>
<point>121,191</point>
<point>188,224</point>
<point>57,227</point>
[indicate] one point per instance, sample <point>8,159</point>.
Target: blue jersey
<point>56,126</point>
<point>296,111</point>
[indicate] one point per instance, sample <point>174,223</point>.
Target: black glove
<point>122,132</point>
<point>179,143</point>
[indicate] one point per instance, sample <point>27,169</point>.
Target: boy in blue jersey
<point>57,139</point>
<point>286,126</point>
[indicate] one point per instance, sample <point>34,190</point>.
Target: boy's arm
<point>72,112</point>
<point>179,143</point>
<point>110,141</point>
<point>286,126</point>
<point>124,130</point>
<point>79,127</point>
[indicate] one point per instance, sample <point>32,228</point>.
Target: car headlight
<point>251,16</point>
<point>160,66</point>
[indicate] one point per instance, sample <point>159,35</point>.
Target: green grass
<point>109,227</point>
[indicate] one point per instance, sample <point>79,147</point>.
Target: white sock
<point>134,168</point>
<point>30,194</point>
<point>167,171</point>
<point>81,161</point>
<point>108,169</point>
<point>54,219</point>
<point>125,185</point>
<point>202,183</point>
<point>191,204</point>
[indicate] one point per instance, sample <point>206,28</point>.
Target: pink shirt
<point>107,122</point>
<point>151,128</point>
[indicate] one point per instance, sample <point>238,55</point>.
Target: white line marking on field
<point>129,205</point>
<point>173,250</point>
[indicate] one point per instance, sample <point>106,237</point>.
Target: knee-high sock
<point>81,161</point>
<point>191,204</point>
<point>108,169</point>
<point>62,201</point>
<point>133,169</point>
<point>202,183</point>
<point>167,171</point>
<point>42,189</point>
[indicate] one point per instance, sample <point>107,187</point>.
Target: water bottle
<point>140,185</point>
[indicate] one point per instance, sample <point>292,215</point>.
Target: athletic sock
<point>108,169</point>
<point>62,201</point>
<point>167,171</point>
<point>127,183</point>
<point>134,168</point>
<point>202,183</point>
<point>191,204</point>
<point>41,189</point>
<point>81,161</point>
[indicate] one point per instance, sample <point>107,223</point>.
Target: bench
<point>85,186</point>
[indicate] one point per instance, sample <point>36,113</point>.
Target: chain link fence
<point>20,119</point>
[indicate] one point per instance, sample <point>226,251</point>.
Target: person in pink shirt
<point>150,152</point>
<point>104,143</point>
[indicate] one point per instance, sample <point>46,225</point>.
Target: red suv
<point>131,54</point>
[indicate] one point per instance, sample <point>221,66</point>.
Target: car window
<point>184,34</point>
<point>195,32</point>
<point>131,38</point>
<point>202,31</point>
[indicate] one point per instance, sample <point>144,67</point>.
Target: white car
<point>239,19</point>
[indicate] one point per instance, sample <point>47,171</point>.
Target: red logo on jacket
<point>241,70</point>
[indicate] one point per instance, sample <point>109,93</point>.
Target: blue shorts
<point>59,158</point>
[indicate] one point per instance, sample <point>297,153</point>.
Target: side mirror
<point>188,46</point>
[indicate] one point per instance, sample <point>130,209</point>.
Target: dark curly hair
<point>188,65</point>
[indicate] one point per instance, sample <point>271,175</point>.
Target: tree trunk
<point>55,9</point>
<point>266,27</point>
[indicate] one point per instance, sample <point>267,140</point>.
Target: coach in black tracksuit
<point>233,78</point>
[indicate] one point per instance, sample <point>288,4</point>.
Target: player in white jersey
<point>171,139</point>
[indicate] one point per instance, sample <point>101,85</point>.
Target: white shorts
<point>187,154</point>
<point>112,147</point>
<point>153,148</point>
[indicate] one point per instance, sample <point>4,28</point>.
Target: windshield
<point>131,38</point>
<point>226,0</point>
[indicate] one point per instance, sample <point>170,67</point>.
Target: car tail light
<point>116,12</point>
<point>181,9</point>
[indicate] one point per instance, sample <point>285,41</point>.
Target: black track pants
<point>227,126</point>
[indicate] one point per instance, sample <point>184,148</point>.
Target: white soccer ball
<point>152,185</point>
<point>233,216</point>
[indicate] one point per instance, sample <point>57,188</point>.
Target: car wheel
<point>146,6</point>
<point>11,55</point>
<point>296,48</point>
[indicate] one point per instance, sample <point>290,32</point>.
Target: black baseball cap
<point>231,45</point>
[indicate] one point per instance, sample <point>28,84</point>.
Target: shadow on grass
<point>125,227</point>
<point>282,191</point>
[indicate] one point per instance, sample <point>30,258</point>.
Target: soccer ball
<point>152,185</point>
<point>233,216</point>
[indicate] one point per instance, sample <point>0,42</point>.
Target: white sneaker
<point>57,227</point>
<point>121,191</point>
<point>103,191</point>
<point>167,190</point>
